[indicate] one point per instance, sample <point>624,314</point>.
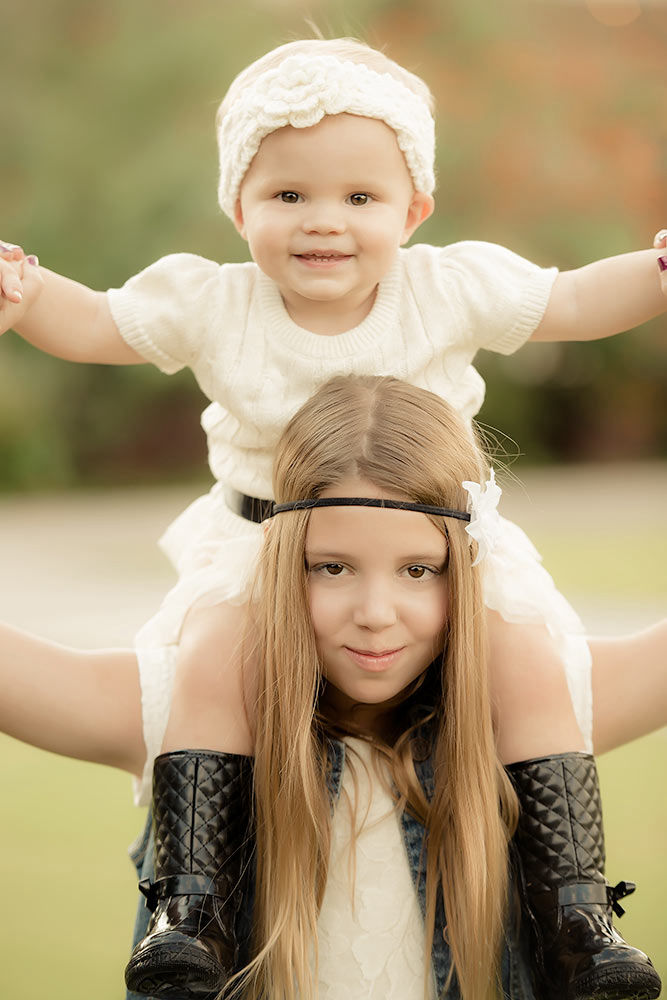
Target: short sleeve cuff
<point>125,317</point>
<point>534,303</point>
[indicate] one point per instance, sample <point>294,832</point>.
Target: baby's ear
<point>419,210</point>
<point>239,224</point>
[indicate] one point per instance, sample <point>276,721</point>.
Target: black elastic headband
<point>420,508</point>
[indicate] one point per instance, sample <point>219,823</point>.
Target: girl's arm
<point>77,703</point>
<point>604,298</point>
<point>60,316</point>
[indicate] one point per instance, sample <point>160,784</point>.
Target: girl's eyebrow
<point>408,557</point>
<point>327,554</point>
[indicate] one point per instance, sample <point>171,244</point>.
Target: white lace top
<point>371,930</point>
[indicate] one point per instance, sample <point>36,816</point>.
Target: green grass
<point>583,559</point>
<point>635,810</point>
<point>68,886</point>
<point>69,890</point>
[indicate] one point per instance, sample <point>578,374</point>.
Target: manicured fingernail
<point>662,263</point>
<point>18,296</point>
<point>661,235</point>
<point>32,259</point>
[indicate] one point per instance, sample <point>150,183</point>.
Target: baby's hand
<point>10,251</point>
<point>660,243</point>
<point>20,284</point>
<point>11,286</point>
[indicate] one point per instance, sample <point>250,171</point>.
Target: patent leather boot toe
<point>202,804</point>
<point>560,845</point>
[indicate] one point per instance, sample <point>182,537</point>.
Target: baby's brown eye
<point>358,199</point>
<point>289,197</point>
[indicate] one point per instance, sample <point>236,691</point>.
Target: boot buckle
<point>583,892</point>
<point>180,885</point>
<point>596,892</point>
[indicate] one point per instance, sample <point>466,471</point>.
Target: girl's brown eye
<point>334,569</point>
<point>416,572</point>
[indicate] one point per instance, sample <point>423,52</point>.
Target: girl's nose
<point>375,608</point>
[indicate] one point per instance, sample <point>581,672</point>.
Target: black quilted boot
<point>580,955</point>
<point>202,805</point>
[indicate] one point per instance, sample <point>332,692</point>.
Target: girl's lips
<point>374,662</point>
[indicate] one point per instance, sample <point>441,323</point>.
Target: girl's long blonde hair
<point>406,440</point>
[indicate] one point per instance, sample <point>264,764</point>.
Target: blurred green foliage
<point>552,141</point>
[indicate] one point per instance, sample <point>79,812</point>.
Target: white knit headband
<point>300,91</point>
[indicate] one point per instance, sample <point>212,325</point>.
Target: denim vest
<point>515,963</point>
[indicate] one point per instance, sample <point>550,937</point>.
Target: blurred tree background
<point>552,140</point>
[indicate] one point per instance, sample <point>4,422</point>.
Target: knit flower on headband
<point>485,524</point>
<point>294,96</point>
<point>299,92</point>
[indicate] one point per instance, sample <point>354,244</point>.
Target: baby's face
<point>324,210</point>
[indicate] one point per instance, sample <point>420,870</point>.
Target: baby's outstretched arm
<point>57,315</point>
<point>77,703</point>
<point>605,298</point>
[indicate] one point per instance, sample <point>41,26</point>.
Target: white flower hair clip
<point>485,525</point>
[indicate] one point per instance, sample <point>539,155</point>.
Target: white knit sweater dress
<point>433,311</point>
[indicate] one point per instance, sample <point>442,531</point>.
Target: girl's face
<point>378,597</point>
<point>324,210</point>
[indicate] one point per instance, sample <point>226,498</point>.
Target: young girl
<point>381,865</point>
<point>326,169</point>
